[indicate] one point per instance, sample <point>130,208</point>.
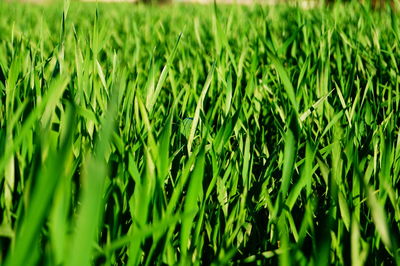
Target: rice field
<point>199,134</point>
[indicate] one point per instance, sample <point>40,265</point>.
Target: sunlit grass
<point>199,134</point>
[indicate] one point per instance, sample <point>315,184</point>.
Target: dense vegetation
<point>206,134</point>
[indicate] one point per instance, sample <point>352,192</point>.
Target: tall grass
<point>192,134</point>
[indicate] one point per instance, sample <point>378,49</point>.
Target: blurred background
<point>305,4</point>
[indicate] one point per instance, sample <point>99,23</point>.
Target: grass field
<point>190,134</point>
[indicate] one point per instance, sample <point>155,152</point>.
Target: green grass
<point>199,134</point>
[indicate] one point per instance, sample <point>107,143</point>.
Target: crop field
<point>199,134</point>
